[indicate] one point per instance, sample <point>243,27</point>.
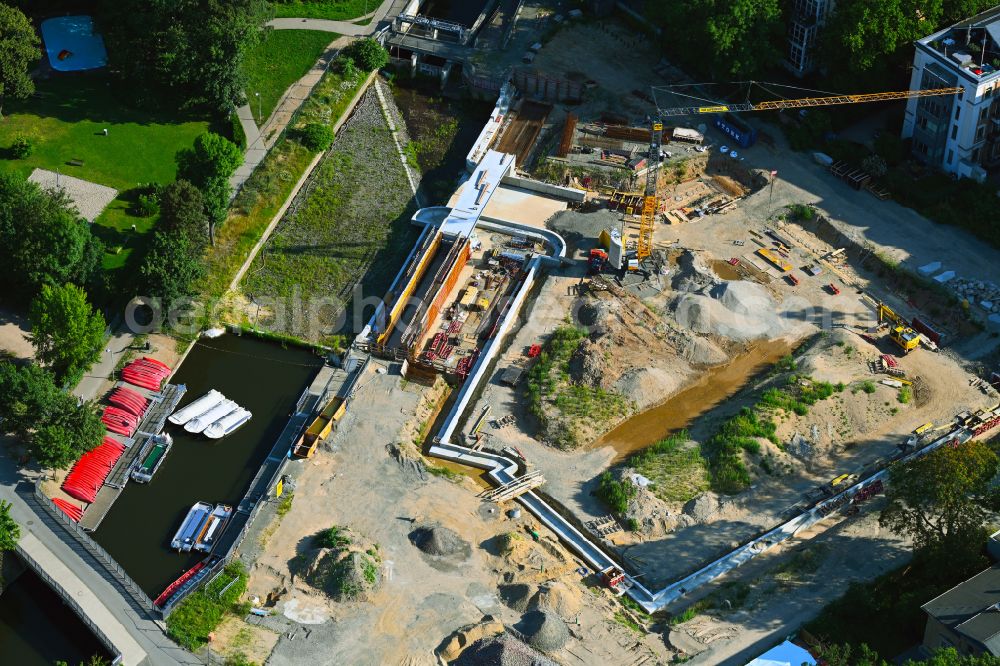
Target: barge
<point>153,456</point>
<point>191,529</point>
<point>196,408</point>
<point>228,423</point>
<point>319,429</point>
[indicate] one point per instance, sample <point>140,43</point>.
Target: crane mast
<point>650,203</point>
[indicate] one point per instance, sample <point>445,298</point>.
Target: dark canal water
<point>261,376</point>
<point>460,11</point>
<point>37,628</point>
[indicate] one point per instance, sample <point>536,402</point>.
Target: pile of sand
<point>700,351</point>
<point>544,631</point>
<point>517,596</point>
<point>343,575</point>
<point>438,541</point>
<point>648,386</point>
<point>502,650</point>
<point>738,310</point>
<point>562,599</point>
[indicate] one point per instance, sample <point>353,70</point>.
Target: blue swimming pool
<point>72,45</point>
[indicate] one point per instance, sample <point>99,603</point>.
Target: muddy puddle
<point>725,270</point>
<point>715,385</point>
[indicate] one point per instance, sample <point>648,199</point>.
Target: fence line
<point>91,546</point>
<point>70,601</point>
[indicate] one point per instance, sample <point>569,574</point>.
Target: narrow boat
<point>152,458</point>
<point>213,527</point>
<point>228,423</point>
<point>174,586</point>
<point>196,408</point>
<point>319,429</point>
<point>199,423</point>
<point>195,519</point>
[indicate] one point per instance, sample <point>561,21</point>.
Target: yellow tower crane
<point>650,203</point>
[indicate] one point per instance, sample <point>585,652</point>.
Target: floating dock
<point>162,405</point>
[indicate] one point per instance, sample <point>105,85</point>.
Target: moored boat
<point>196,408</point>
<point>190,529</point>
<point>199,423</point>
<point>214,526</point>
<point>152,458</point>
<point>228,423</point>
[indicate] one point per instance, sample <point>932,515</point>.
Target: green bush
<point>317,137</point>
<point>904,395</point>
<point>201,612</point>
<point>22,146</point>
<point>348,68</point>
<point>333,537</point>
<point>868,387</point>
<point>237,135</point>
<point>615,493</point>
<point>147,205</point>
<point>368,54</point>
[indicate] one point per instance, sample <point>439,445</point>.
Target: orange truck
<point>319,429</point>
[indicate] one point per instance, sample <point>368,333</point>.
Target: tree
<point>938,500</point>
<point>75,431</point>
<point>18,52</point>
<point>182,212</point>
<point>317,137</point>
<point>65,330</point>
<point>723,38</point>
<point>10,531</point>
<point>28,396</point>
<point>368,54</point>
<point>171,265</point>
<point>846,655</point>
<point>200,46</point>
<point>209,166</point>
<point>42,239</point>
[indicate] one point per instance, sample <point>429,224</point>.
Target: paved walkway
<point>47,541</point>
<point>343,27</point>
<point>94,381</point>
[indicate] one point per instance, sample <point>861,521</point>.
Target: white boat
<point>228,423</point>
<point>211,416</point>
<point>191,528</point>
<point>196,408</point>
<point>213,527</point>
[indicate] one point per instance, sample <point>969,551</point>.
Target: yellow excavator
<point>899,331</point>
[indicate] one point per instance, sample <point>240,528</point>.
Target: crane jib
<point>831,100</point>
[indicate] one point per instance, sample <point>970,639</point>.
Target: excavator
<point>900,332</point>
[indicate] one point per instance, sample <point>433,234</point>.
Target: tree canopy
<point>368,54</point>
<point>182,212</point>
<point>42,239</point>
<point>65,331</point>
<point>847,655</point>
<point>10,531</point>
<point>171,265</point>
<point>208,165</point>
<point>18,52</point>
<point>722,38</point>
<point>188,53</point>
<point>29,397</point>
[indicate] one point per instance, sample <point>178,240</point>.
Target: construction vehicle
<point>900,332</point>
<point>598,258</point>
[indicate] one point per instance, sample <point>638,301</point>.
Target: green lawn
<point>278,62</point>
<point>66,119</point>
<point>335,10</point>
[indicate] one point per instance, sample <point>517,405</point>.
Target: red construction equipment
<point>534,350</point>
<point>833,289</point>
<point>792,280</point>
<point>598,258</point>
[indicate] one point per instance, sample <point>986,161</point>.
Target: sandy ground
<point>13,329</point>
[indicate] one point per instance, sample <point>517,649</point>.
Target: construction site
<point>661,300</point>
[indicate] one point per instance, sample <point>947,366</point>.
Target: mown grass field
<point>334,10</point>
<point>66,121</point>
<point>280,60</point>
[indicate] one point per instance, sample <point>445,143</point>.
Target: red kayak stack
<point>146,372</point>
<point>90,471</point>
<point>174,586</point>
<point>131,401</point>
<point>120,421</point>
<point>70,509</point>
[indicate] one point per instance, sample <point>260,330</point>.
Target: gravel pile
<point>738,310</point>
<point>702,507</point>
<point>545,631</point>
<point>502,650</point>
<point>517,596</point>
<point>440,542</point>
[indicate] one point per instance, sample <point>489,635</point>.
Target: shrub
<point>317,137</point>
<point>904,395</point>
<point>348,67</point>
<point>147,205</point>
<point>868,387</point>
<point>190,624</point>
<point>237,135</point>
<point>334,537</point>
<point>22,146</point>
<point>615,493</point>
<point>368,54</point>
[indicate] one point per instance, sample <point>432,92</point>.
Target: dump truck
<point>319,429</point>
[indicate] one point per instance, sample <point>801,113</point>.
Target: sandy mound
<point>562,599</point>
<point>344,575</point>
<point>648,386</point>
<point>440,541</point>
<point>518,596</point>
<point>700,351</point>
<point>502,650</point>
<point>702,507</point>
<point>544,631</point>
<point>738,310</point>
<point>693,274</point>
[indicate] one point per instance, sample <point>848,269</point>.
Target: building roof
<point>972,609</point>
<point>969,46</point>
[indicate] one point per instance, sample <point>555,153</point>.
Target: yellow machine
<point>650,203</point>
<point>899,331</point>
